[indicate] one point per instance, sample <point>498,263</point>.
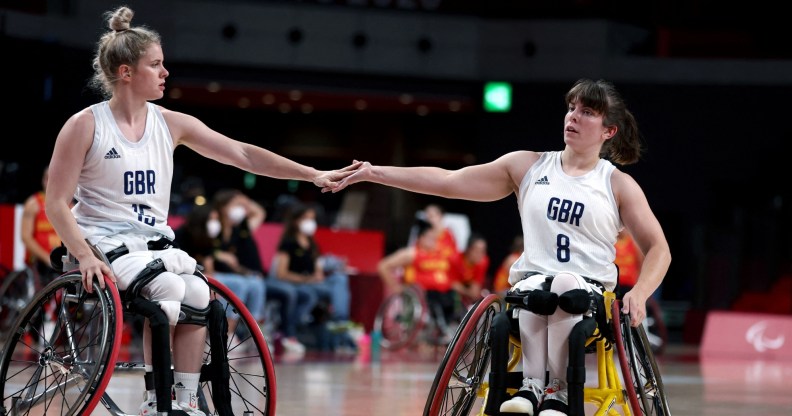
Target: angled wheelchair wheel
<point>641,374</point>
<point>457,384</point>
<point>400,318</point>
<point>16,291</point>
<point>252,383</point>
<point>237,380</point>
<point>61,351</point>
<point>654,324</point>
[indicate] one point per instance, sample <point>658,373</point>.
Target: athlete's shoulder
<point>80,124</point>
<point>524,156</point>
<point>82,117</point>
<point>624,185</point>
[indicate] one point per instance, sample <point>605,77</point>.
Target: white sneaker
<point>526,400</point>
<point>191,405</point>
<point>556,400</point>
<point>292,345</point>
<point>149,407</point>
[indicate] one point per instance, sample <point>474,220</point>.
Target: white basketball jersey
<point>125,186</point>
<point>570,223</point>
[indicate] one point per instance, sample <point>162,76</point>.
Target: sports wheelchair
<point>405,317</point>
<point>488,338</point>
<point>62,351</point>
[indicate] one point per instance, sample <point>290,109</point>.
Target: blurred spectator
<point>237,251</point>
<point>446,242</point>
<point>469,270</point>
<point>38,235</point>
<point>500,283</point>
<point>197,236</point>
<point>298,262</point>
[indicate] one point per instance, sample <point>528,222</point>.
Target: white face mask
<point>308,227</point>
<point>213,228</point>
<point>236,214</point>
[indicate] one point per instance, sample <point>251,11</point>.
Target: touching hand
<point>330,179</point>
<point>362,173</point>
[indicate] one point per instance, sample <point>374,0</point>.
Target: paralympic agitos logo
<point>755,335</point>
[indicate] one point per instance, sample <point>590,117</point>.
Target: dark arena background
<point>403,82</point>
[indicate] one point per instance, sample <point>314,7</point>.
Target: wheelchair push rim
<point>642,379</point>
<point>63,345</point>
<point>242,351</point>
<point>471,349</point>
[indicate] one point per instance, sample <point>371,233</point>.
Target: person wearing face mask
<point>299,262</point>
<point>197,237</point>
<point>236,251</point>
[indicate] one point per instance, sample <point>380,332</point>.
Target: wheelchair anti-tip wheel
<point>400,318</point>
<point>456,386</point>
<point>61,350</point>
<point>640,371</point>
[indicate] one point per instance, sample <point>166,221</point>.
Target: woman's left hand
<point>330,179</point>
<point>634,304</point>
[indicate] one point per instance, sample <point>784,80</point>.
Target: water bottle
<point>376,339</point>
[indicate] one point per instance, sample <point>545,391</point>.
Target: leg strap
<point>217,371</point>
<point>194,316</point>
<point>153,269</point>
<point>576,372</point>
<point>160,349</point>
<point>499,337</point>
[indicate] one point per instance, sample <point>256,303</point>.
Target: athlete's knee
<point>196,291</point>
<point>573,294</point>
<point>167,290</point>
<point>564,282</point>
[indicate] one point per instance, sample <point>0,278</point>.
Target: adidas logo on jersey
<point>542,181</point>
<point>112,154</point>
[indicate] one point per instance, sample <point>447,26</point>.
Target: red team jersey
<point>465,272</point>
<point>628,260</point>
<point>43,232</point>
<point>429,270</point>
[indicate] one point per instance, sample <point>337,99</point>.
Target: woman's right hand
<point>90,267</point>
<point>360,174</point>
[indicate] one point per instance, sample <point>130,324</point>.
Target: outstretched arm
<point>486,182</point>
<point>193,133</point>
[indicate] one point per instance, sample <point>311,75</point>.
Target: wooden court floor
<point>351,385</point>
<point>399,384</point>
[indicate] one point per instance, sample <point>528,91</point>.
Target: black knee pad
<point>538,301</point>
<point>575,301</point>
<point>541,302</point>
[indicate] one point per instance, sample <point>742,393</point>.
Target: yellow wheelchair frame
<point>460,383</point>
